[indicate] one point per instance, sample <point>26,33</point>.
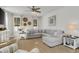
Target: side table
<point>71,41</point>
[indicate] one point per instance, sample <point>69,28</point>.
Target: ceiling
<point>24,10</point>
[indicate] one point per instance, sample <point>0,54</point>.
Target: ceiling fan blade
<point>33,7</point>
<point>37,8</point>
<point>38,11</point>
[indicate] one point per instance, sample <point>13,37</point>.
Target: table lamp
<point>72,27</point>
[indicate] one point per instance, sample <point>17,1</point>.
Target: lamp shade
<point>72,26</point>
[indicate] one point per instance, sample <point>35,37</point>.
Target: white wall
<point>30,18</point>
<point>64,16</point>
<point>40,22</point>
<point>9,22</point>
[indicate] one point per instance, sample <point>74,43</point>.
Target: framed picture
<point>25,24</point>
<point>25,19</point>
<point>29,23</point>
<point>52,20</point>
<point>35,22</point>
<point>16,21</point>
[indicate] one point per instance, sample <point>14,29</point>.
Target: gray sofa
<point>52,37</point>
<point>34,33</point>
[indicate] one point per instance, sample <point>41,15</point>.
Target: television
<point>2,17</point>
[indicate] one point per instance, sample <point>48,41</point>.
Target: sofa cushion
<point>32,31</point>
<point>51,39</point>
<point>51,32</point>
<point>58,33</point>
<point>54,33</point>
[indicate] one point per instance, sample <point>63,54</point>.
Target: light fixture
<point>72,26</point>
<point>35,13</point>
<point>35,27</point>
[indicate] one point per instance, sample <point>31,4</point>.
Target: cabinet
<point>4,36</point>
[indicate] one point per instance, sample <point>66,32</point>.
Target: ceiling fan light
<point>35,13</point>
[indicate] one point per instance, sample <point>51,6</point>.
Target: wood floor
<point>37,43</point>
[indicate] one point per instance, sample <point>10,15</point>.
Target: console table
<point>23,35</point>
<point>71,41</point>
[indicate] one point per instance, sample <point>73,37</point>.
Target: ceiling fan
<point>35,9</point>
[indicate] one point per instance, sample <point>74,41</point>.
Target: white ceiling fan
<point>34,9</point>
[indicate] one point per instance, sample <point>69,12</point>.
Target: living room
<point>44,31</point>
